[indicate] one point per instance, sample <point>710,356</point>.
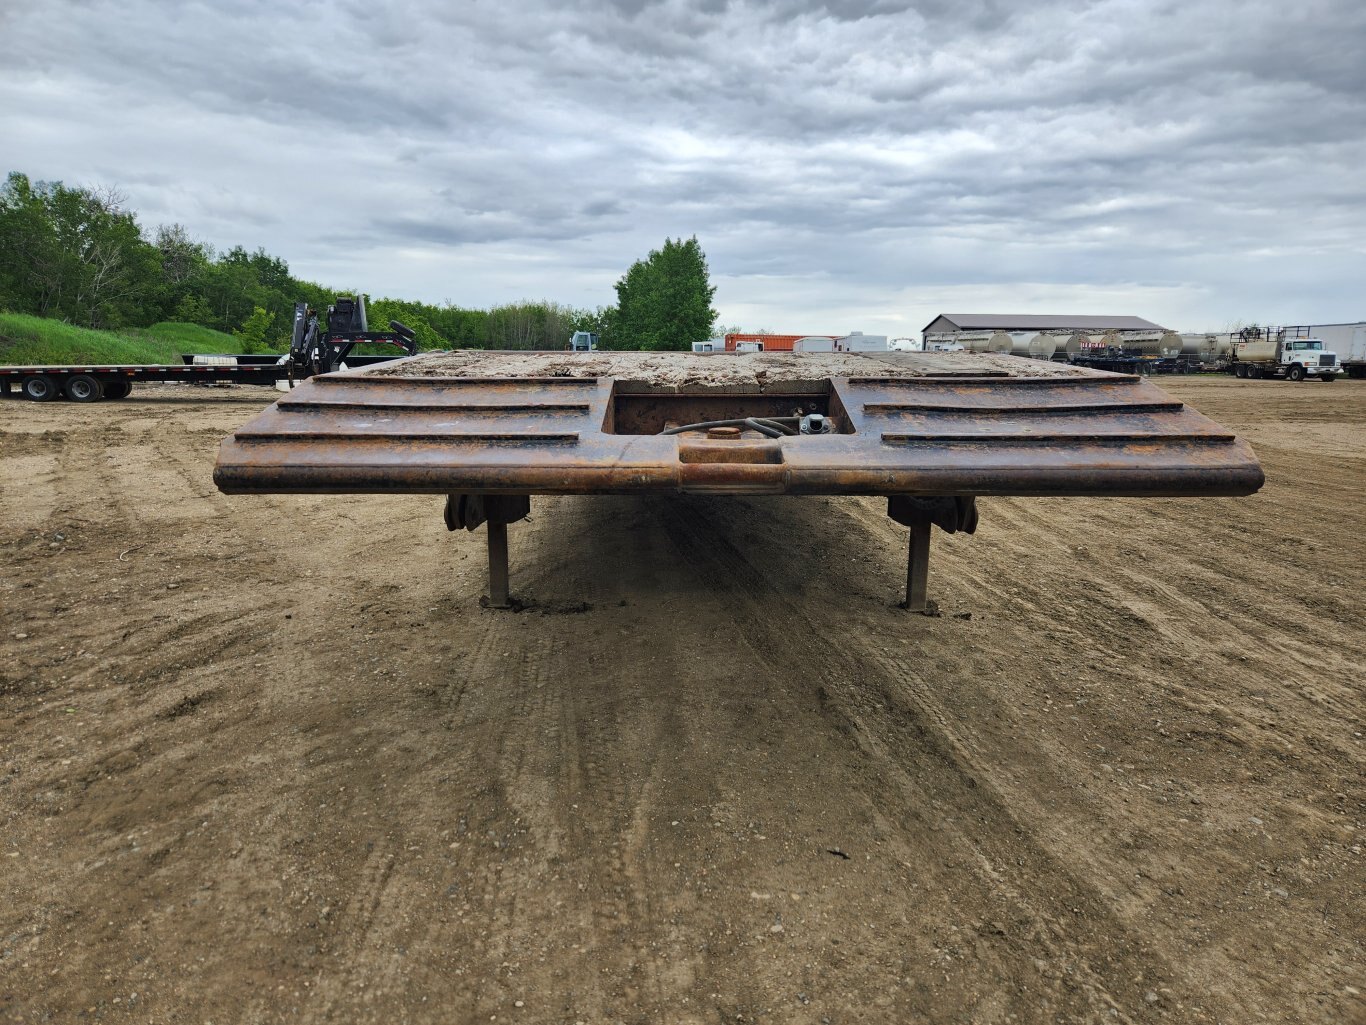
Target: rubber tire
<point>1295,373</point>
<point>39,388</point>
<point>1328,377</point>
<point>118,389</point>
<point>1254,373</point>
<point>83,388</point>
<point>1239,371</point>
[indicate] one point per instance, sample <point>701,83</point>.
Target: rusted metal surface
<point>937,428</point>
<point>918,567</point>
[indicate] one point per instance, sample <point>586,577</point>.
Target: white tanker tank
<point>1142,343</point>
<point>1043,345</point>
<point>1000,342</point>
<point>1204,346</point>
<point>973,341</point>
<point>1077,343</point>
<point>1257,350</point>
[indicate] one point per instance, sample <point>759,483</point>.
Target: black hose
<point>772,422</point>
<point>771,426</point>
<point>767,430</point>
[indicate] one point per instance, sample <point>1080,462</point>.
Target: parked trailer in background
<point>316,347</point>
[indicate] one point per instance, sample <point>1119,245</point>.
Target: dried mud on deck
<point>686,370</point>
<point>266,758</point>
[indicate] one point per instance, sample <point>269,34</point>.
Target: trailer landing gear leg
<point>950,513</point>
<point>469,511</point>
<point>917,566</point>
<point>498,565</point>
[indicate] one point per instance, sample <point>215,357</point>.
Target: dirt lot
<point>267,759</point>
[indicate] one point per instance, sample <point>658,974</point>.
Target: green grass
<point>26,340</point>
<point>188,337</point>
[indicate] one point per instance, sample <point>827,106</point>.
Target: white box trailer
<point>857,341</point>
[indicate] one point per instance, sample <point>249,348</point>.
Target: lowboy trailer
<point>315,348</point>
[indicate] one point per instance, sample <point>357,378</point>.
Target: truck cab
<point>1308,357</point>
<point>583,341</point>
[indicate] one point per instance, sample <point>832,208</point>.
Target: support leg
<point>471,511</point>
<point>917,566</point>
<point>498,565</point>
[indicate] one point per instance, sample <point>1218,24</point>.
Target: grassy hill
<point>35,340</point>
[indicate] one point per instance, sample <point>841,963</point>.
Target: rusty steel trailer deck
<point>931,432</point>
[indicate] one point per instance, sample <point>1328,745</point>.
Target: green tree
<point>192,309</point>
<point>30,255</point>
<point>253,333</point>
<point>664,301</point>
<point>601,322</point>
<point>75,254</point>
<point>379,312</point>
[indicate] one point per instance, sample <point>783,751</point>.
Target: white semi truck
<point>1282,352</point>
<point>1347,340</point>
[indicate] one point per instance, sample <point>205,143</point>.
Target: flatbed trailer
<point>1115,363</point>
<point>315,348</point>
<point>928,431</point>
<point>92,382</point>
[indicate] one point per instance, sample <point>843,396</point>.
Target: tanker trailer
<point>1043,345</point>
<point>1078,344</point>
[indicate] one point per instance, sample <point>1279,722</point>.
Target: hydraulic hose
<point>769,426</point>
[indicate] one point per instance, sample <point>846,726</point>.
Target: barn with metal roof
<point>947,324</point>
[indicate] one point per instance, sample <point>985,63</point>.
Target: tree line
<point>79,255</point>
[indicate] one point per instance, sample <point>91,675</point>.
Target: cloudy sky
<point>861,165</point>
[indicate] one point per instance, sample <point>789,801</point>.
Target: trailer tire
<point>39,388</point>
<point>1295,373</point>
<point>117,389</point>
<point>1239,370</point>
<point>83,388</point>
<point>1356,373</point>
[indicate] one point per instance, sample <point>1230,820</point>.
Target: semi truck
<point>1282,352</point>
<point>1347,340</point>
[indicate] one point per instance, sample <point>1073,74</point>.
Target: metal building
<point>947,327</point>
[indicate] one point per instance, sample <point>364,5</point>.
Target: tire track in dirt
<point>359,941</point>
<point>587,811</point>
<point>1039,889</point>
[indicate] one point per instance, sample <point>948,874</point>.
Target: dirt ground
<point>268,759</point>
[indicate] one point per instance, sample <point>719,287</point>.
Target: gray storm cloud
<point>845,165</point>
